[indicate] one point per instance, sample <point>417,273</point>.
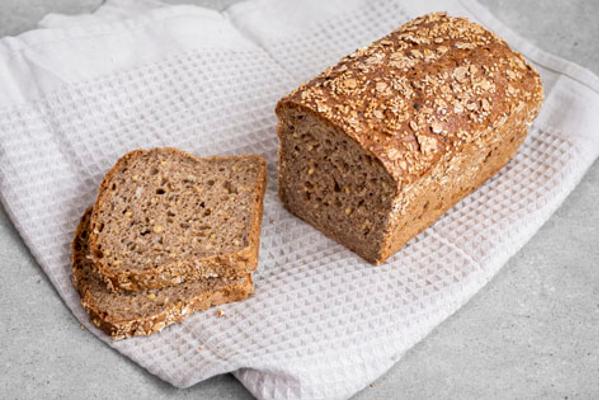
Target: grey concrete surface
<point>532,333</point>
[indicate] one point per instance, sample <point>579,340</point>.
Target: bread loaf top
<point>422,92</point>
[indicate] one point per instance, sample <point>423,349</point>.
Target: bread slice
<point>163,217</point>
<point>122,315</point>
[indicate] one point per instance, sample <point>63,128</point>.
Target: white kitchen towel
<point>82,90</point>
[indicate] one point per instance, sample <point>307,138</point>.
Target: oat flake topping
<point>427,88</point>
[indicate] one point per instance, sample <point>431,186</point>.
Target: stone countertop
<point>530,333</point>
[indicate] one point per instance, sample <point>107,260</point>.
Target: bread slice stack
<point>169,234</point>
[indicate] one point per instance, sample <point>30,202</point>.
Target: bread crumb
<point>220,313</point>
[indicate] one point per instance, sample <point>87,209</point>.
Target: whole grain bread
<point>163,217</point>
<point>122,315</point>
<point>377,147</point>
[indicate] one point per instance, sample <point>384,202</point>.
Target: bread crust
<point>433,95</point>
<point>95,296</point>
<point>227,265</point>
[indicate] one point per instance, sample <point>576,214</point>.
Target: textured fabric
<point>323,323</point>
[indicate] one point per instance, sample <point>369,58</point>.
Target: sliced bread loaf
<point>380,145</point>
<point>125,314</point>
<point>163,217</point>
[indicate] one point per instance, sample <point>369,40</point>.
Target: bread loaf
<point>377,147</point>
<point>122,315</point>
<point>163,217</point>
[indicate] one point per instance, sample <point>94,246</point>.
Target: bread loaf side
<point>377,147</point>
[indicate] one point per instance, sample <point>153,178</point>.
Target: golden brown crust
<point>254,242</point>
<point>230,265</point>
<point>462,176</point>
<point>441,103</point>
<point>115,313</point>
<point>427,88</point>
